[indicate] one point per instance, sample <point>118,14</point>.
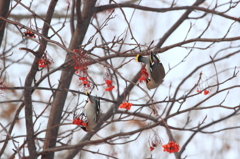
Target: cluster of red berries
<point>126,105</point>
<point>143,75</point>
<point>109,85</point>
<point>29,34</point>
<point>45,61</point>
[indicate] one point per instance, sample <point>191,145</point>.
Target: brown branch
<point>191,73</point>
<point>177,24</point>
<point>203,127</point>
<point>56,89</point>
<point>95,142</point>
<point>28,82</point>
<point>72,27</point>
<point>135,6</point>
<point>107,116</point>
<point>65,79</point>
<point>46,20</point>
<point>15,119</point>
<point>161,50</point>
<point>108,156</point>
<point>162,10</point>
<point>45,38</point>
<point>137,114</point>
<point>4,7</point>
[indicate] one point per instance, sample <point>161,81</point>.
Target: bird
<point>154,69</point>
<point>91,112</point>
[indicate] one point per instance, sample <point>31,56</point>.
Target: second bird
<point>92,112</point>
<point>154,69</point>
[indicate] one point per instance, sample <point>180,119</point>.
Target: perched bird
<point>91,112</point>
<point>154,69</point>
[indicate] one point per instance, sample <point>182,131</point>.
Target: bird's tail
<point>138,58</point>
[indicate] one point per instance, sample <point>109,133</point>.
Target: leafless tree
<point>53,51</point>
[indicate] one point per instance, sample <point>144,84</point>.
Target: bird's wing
<point>96,118</point>
<point>157,72</point>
